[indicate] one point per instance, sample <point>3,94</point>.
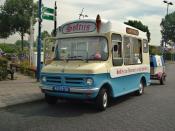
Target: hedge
<point>3,68</point>
<point>169,56</point>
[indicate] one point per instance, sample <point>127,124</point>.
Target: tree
<point>19,42</point>
<point>140,26</point>
<point>9,48</point>
<point>44,35</point>
<point>19,13</point>
<point>4,24</point>
<point>155,50</point>
<point>168,28</point>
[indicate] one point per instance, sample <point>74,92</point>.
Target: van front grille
<point>65,80</point>
<point>71,80</point>
<point>53,79</point>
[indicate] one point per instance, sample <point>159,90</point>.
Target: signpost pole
<point>39,41</point>
<point>55,20</point>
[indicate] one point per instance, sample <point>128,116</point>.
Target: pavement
<point>20,90</point>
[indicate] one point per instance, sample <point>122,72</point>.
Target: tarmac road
<point>153,111</point>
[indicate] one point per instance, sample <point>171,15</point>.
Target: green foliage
<point>168,28</point>
<point>140,26</point>
<point>44,35</point>
<point>24,65</point>
<point>155,50</point>
<point>18,43</point>
<point>170,56</point>
<point>5,26</point>
<point>3,68</point>
<point>3,61</point>
<point>8,48</point>
<point>17,14</point>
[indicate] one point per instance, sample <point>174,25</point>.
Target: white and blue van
<point>96,60</point>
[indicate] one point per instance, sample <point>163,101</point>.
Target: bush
<point>24,65</point>
<point>169,56</point>
<point>155,50</point>
<point>3,68</point>
<point>9,48</point>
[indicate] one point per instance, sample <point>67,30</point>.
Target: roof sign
<point>79,27</point>
<point>132,31</point>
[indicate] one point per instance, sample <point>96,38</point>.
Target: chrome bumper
<point>74,90</point>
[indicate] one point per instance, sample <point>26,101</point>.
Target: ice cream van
<point>96,59</point>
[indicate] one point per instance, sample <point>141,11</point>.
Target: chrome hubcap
<point>141,88</point>
<point>105,99</point>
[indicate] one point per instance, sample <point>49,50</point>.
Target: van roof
<point>109,26</point>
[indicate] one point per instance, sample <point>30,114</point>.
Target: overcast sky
<point>149,12</point>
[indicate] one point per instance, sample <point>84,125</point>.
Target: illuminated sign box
<point>79,27</point>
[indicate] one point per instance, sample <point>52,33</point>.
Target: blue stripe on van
<point>119,86</point>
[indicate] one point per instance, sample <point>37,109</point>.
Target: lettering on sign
<point>124,71</point>
<point>130,70</point>
<point>79,27</point>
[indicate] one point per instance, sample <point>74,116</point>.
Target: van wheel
<point>102,99</point>
<point>51,100</point>
<point>162,80</point>
<point>141,89</point>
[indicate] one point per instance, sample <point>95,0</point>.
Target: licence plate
<point>61,88</point>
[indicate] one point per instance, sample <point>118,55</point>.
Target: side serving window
<point>117,49</point>
<point>132,51</point>
<point>145,46</point>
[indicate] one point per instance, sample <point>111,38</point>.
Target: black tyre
<point>141,89</point>
<point>162,80</point>
<point>102,99</point>
<point>51,100</point>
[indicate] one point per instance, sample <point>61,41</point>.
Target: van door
<point>117,60</point>
<point>132,49</point>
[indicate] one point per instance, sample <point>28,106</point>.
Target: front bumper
<point>73,90</point>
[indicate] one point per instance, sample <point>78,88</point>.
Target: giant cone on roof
<point>98,23</point>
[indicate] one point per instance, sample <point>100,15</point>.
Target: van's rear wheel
<point>163,80</point>
<point>140,91</point>
<point>102,99</point>
<point>51,100</point>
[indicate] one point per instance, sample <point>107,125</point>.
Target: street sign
<point>48,17</point>
<point>48,13</point>
<point>48,10</point>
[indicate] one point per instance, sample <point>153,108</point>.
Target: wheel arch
<point>109,88</point>
<point>143,80</point>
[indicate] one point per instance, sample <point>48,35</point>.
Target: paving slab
<point>20,90</point>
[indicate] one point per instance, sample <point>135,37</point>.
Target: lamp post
<point>168,4</point>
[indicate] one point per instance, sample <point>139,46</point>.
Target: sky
<point>149,12</point>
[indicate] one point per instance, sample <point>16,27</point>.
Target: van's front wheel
<point>51,100</point>
<point>102,99</point>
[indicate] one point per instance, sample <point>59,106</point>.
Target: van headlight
<point>89,81</point>
<point>44,79</point>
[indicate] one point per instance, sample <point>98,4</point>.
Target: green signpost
<point>48,17</point>
<point>48,13</point>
